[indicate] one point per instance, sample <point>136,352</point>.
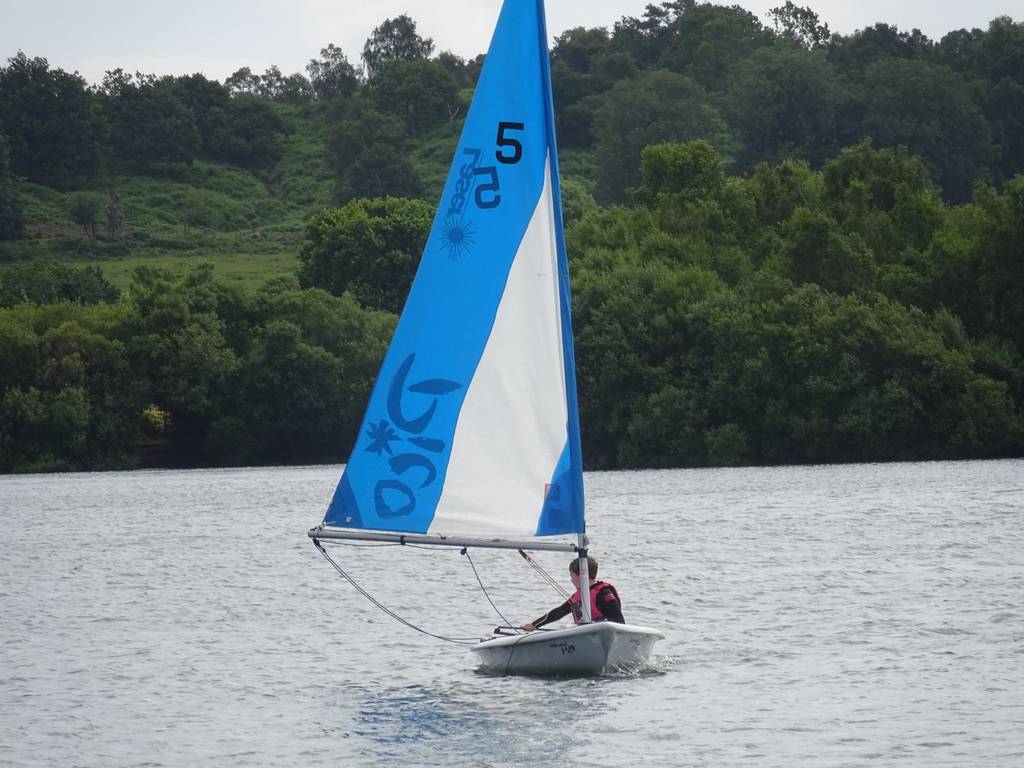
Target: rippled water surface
<point>829,616</point>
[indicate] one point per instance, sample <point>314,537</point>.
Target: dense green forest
<point>786,245</point>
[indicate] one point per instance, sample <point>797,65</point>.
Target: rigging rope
<point>546,576</point>
<point>465,551</point>
<point>385,609</point>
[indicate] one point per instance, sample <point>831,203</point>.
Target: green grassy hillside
<point>248,224</point>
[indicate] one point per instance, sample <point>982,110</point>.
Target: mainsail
<point>472,427</point>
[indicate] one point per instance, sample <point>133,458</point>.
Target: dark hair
<point>574,566</point>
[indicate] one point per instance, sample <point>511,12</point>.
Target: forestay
<point>472,427</point>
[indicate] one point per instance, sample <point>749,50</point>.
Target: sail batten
<point>472,427</point>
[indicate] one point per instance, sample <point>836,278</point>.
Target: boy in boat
<point>604,600</point>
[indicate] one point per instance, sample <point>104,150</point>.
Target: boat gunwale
<point>539,636</point>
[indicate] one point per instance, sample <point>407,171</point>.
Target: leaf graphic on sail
<point>428,444</point>
<point>435,387</point>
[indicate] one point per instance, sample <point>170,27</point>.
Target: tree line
<point>182,371</point>
<point>790,90</point>
<point>786,246</point>
<point>792,316</point>
<point>57,130</point>
<point>759,92</point>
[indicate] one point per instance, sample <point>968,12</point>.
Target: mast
<point>565,304</point>
<point>568,351</point>
<point>581,547</point>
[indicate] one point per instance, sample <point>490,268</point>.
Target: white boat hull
<point>588,649</point>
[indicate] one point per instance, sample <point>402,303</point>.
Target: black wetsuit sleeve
<point>553,615</point>
<point>610,606</point>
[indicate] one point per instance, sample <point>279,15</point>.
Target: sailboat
<point>471,435</point>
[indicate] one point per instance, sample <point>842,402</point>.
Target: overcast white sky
<point>217,37</point>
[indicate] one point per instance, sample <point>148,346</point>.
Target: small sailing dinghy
<point>471,436</point>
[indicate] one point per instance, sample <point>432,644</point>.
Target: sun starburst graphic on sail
<point>457,237</point>
<point>382,436</point>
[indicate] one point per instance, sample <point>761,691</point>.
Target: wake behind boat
<point>471,436</point>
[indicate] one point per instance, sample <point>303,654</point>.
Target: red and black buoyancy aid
<point>595,611</point>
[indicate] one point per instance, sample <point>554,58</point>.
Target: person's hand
<point>528,627</point>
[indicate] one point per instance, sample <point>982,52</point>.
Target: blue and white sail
<point>472,427</point>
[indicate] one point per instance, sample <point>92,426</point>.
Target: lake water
<point>868,615</point>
